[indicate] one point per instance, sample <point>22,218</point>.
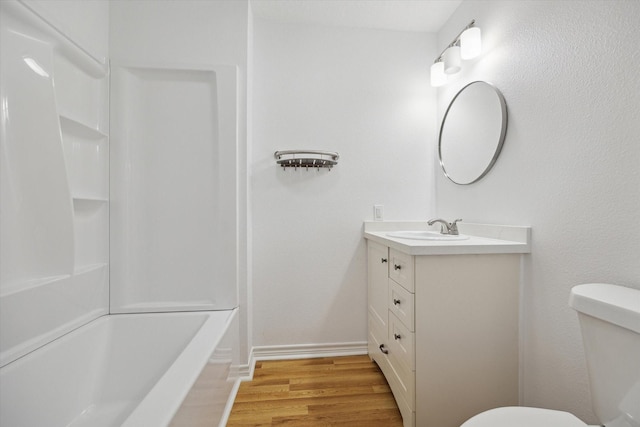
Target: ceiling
<point>401,15</point>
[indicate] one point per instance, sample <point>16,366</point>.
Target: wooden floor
<point>331,391</point>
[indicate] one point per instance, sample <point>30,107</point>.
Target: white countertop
<point>483,238</point>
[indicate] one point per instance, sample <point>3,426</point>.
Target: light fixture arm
<point>456,41</point>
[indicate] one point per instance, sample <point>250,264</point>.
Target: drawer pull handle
<point>396,301</point>
<point>397,337</point>
<point>383,260</point>
<point>384,350</point>
<point>397,267</point>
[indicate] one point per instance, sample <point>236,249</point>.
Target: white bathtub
<point>133,370</point>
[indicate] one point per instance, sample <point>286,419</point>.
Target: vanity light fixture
<point>470,43</point>
<point>452,60</point>
<point>438,77</point>
<point>466,45</point>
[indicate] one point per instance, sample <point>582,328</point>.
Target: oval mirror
<point>472,132</point>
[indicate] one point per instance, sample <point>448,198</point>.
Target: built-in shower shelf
<point>88,202</point>
<point>306,159</point>
<point>77,127</point>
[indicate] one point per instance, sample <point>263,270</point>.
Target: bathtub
<point>131,370</point>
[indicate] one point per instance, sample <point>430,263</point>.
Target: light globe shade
<point>438,77</point>
<point>470,43</point>
<point>451,60</point>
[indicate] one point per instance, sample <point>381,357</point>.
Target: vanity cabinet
<point>444,331</point>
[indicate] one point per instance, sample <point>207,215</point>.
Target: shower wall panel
<point>173,188</point>
<point>54,183</point>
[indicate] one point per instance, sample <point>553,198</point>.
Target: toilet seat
<point>521,416</point>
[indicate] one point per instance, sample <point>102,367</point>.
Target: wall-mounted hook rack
<point>306,159</point>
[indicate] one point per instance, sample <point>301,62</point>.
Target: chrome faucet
<point>446,227</point>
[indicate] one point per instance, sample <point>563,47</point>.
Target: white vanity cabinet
<point>444,330</point>
<point>391,325</point>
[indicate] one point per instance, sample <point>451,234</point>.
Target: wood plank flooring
<point>330,391</point>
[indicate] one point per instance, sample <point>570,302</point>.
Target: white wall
<point>569,167</point>
<point>194,32</point>
<point>366,95</point>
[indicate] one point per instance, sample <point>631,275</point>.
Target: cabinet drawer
<point>401,303</point>
<point>402,343</point>
<point>401,383</point>
<point>401,269</point>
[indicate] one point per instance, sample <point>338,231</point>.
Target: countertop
<point>483,238</point>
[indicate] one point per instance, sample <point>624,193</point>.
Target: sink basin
<point>426,235</point>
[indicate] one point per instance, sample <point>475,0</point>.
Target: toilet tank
<point>610,321</point>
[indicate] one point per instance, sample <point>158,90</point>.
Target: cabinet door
<point>378,278</point>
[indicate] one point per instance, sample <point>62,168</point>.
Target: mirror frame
<point>501,138</point>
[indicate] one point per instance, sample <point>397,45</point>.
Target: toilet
<point>610,321</point>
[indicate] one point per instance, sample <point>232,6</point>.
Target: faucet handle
<point>453,227</point>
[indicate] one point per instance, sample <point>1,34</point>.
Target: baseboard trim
<point>307,351</point>
<point>299,351</point>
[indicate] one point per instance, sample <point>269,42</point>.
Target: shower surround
<point>129,211</point>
